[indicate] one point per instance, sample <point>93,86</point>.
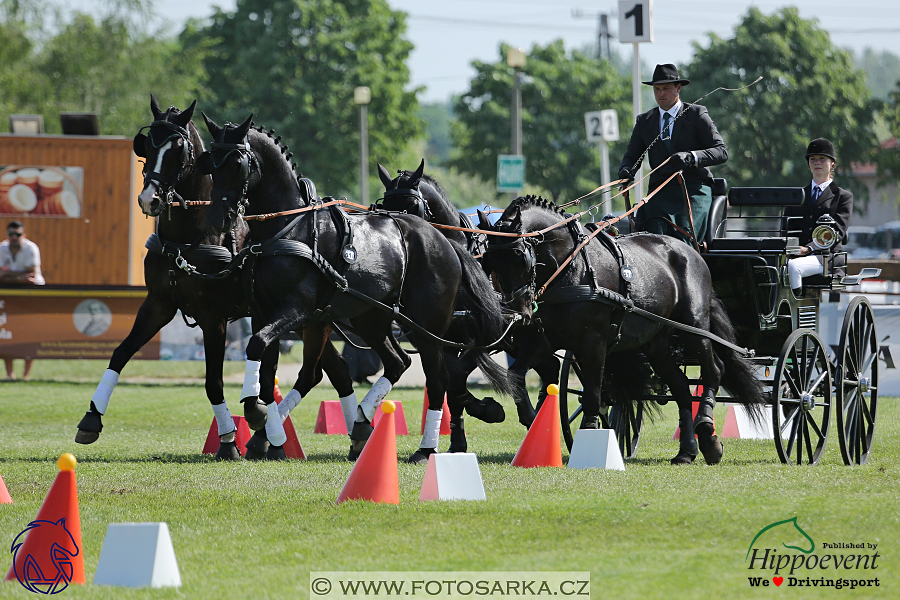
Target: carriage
<point>749,242</point>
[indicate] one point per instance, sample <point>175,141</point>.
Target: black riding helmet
<point>822,147</point>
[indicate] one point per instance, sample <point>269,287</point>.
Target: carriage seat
<point>746,201</point>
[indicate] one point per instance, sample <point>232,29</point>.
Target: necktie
<point>667,131</point>
<point>816,192</point>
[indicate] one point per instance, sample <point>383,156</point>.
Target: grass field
<point>256,530</point>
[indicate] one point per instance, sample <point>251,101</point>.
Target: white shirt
<point>673,112</point>
<point>821,186</point>
<point>28,256</point>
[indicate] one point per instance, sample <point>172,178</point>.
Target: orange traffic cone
<point>51,555</point>
<point>399,418</point>
<point>241,436</point>
<point>374,476</point>
<point>5,498</point>
<point>445,417</point>
<point>277,392</point>
<point>695,406</point>
<point>541,446</point>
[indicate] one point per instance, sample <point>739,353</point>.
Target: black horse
<point>178,196</point>
<point>582,311</point>
<point>318,265</point>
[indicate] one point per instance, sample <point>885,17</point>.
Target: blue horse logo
<point>48,568</point>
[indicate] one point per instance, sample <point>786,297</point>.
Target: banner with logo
<point>41,191</point>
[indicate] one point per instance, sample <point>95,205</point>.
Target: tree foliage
<point>887,158</point>
<point>560,89</point>
<point>295,63</point>
<point>810,89</point>
<point>80,64</point>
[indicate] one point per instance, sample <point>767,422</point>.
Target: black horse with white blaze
<point>316,264</point>
<point>582,311</point>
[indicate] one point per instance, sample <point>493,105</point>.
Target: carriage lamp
<point>825,235</point>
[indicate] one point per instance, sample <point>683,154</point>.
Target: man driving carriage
<point>687,134</point>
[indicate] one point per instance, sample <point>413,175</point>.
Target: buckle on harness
<point>253,249</point>
<point>181,262</point>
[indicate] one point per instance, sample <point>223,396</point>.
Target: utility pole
<point>603,34</point>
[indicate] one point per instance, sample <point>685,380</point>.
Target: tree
<point>810,89</point>
<point>882,71</point>
<point>887,157</point>
<point>295,63</point>
<point>561,88</point>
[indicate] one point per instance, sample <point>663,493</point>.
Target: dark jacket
<point>693,130</point>
<point>834,201</point>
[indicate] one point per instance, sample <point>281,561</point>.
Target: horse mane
<point>276,140</point>
<point>536,201</point>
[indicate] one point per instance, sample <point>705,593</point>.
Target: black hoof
<point>710,446</point>
<point>420,456</point>
<point>257,445</point>
<point>276,453</point>
<point>358,438</point>
<point>683,459</point>
<point>487,410</point>
<point>89,427</point>
<point>255,411</point>
<point>526,414</point>
<point>590,422</point>
<point>228,451</point>
<point>458,441</point>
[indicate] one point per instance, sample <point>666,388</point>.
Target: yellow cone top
<point>276,380</point>
<point>387,407</point>
<point>553,389</point>
<point>67,462</point>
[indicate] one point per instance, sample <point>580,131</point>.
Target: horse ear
<point>484,222</point>
<point>154,107</point>
<point>384,176</point>
<point>214,130</point>
<point>244,127</point>
<point>188,113</point>
<point>418,174</point>
<point>516,224</point>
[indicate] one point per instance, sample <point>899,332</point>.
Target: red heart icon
<point>778,580</point>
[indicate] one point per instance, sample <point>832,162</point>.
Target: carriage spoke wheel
<point>625,420</point>
<point>856,383</point>
<point>801,412</point>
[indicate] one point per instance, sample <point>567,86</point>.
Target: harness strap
<point>583,293</point>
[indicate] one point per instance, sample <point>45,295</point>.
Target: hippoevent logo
<point>47,567</point>
<point>786,555</point>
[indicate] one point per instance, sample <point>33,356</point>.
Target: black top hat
<point>822,147</point>
<point>666,74</point>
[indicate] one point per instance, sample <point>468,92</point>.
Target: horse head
<point>229,161</point>
<point>168,148</point>
<point>402,193</point>
<point>519,263</point>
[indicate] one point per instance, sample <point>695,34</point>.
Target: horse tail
<point>628,377</point>
<point>740,378</point>
<point>478,297</point>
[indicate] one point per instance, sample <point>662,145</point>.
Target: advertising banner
<point>41,191</point>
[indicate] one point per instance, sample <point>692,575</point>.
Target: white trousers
<point>801,267</point>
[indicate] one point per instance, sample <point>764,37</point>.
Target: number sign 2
<point>602,125</point>
<point>635,21</point>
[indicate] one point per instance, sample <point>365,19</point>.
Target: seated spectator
<point>20,264</point>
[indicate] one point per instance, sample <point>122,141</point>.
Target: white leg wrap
<point>432,428</point>
<point>275,430</point>
<point>373,399</point>
<point>289,403</point>
<point>104,390</point>
<point>223,419</point>
<point>348,406</point>
<point>251,380</point>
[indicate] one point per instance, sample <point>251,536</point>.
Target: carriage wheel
<point>626,421</point>
<point>856,383</point>
<point>801,412</point>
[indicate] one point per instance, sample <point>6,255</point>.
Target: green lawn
<point>258,529</point>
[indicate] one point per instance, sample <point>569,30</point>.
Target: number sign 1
<point>602,125</point>
<point>635,21</point>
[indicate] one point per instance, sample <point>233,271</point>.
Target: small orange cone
<point>330,420</point>
<point>445,417</point>
<point>5,498</point>
<point>241,436</point>
<point>277,392</point>
<point>541,446</point>
<point>51,555</point>
<point>374,476</point>
<point>292,447</point>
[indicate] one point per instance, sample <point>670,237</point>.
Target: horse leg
<point>339,375</point>
<point>458,398</point>
<point>711,369</point>
<point>214,346</point>
<point>153,314</point>
<point>666,369</point>
<point>375,330</point>
<point>436,380</point>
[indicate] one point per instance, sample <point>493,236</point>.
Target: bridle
<point>525,247</point>
<point>235,198</point>
<point>165,186</point>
